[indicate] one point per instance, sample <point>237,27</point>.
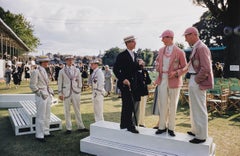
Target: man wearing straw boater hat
<point>125,69</point>
<point>69,89</point>
<point>39,84</point>
<point>98,91</point>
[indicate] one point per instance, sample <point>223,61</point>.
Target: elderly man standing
<point>170,63</point>
<point>39,84</point>
<point>97,82</point>
<point>201,79</point>
<point>125,69</point>
<point>69,90</point>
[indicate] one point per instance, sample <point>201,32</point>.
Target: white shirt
<point>131,53</point>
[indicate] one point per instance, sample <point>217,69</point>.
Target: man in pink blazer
<point>170,63</point>
<point>201,79</point>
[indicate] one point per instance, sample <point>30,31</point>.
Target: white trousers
<point>167,104</point>
<point>43,108</point>
<point>198,110</point>
<point>74,99</point>
<point>97,99</point>
<point>142,108</point>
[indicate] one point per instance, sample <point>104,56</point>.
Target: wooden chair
<point>217,104</point>
<point>234,101</point>
<point>184,93</point>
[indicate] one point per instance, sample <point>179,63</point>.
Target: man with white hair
<point>69,90</point>
<point>98,91</point>
<point>201,79</point>
<point>39,84</point>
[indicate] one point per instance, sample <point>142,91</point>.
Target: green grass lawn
<point>224,129</point>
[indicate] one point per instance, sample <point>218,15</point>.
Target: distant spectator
<point>27,72</point>
<point>218,70</point>
<point>108,80</point>
<point>7,76</point>
<point>17,74</point>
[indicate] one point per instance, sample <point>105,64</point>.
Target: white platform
<point>12,100</point>
<point>106,138</point>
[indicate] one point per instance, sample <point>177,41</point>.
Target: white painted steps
<point>106,138</point>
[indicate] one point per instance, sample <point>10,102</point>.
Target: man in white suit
<point>69,90</point>
<point>97,82</point>
<point>39,84</point>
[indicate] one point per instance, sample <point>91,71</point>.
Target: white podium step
<point>106,138</point>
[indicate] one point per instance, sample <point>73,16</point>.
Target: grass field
<point>224,129</point>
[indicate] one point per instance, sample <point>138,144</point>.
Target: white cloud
<point>92,26</point>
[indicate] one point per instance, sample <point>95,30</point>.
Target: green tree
<point>211,30</point>
<point>227,11</point>
<point>110,56</point>
<point>22,28</point>
<point>147,55</point>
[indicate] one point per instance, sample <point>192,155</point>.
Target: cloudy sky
<point>87,27</point>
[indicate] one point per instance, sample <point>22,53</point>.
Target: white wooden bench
<point>55,123</point>
<point>24,119</point>
<point>30,109</point>
<point>20,121</point>
<point>12,100</point>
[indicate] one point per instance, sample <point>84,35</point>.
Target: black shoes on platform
<point>133,130</point>
<point>170,132</point>
<point>160,131</point>
<point>190,133</point>
<point>197,141</point>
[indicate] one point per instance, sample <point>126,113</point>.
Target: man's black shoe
<point>83,130</point>
<point>160,131</point>
<point>190,133</point>
<point>50,135</point>
<point>156,127</point>
<point>68,132</point>
<point>141,126</point>
<point>133,130</point>
<point>197,141</point>
<point>41,139</point>
<point>123,127</point>
<point>170,132</point>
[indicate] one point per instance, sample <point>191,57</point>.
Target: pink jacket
<point>202,64</point>
<point>176,64</point>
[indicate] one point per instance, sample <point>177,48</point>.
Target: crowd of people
<point>132,84</point>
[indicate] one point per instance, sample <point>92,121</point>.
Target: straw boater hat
<point>129,38</point>
<point>191,30</point>
<point>69,57</point>
<point>167,33</point>
<point>43,59</point>
<point>95,61</point>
